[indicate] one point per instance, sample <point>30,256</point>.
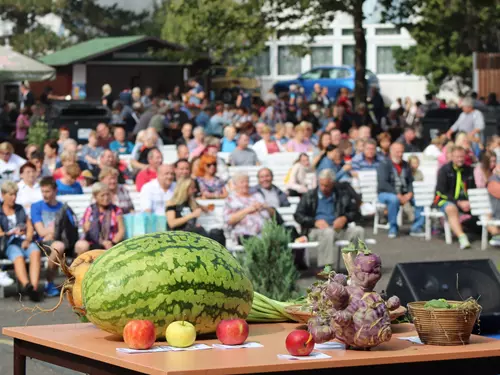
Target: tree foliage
<point>29,35</point>
<point>230,32</point>
<point>311,18</point>
<point>87,19</point>
<point>447,32</point>
<point>269,263</point>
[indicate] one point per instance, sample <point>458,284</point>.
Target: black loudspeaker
<point>424,281</point>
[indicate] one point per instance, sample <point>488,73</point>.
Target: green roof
<point>88,49</point>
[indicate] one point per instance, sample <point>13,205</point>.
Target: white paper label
<point>413,339</point>
<point>245,345</point>
<point>313,355</point>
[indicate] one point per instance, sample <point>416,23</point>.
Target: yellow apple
<point>180,334</point>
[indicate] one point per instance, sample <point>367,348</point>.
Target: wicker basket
<point>445,327</point>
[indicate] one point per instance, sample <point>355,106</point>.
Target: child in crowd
<point>346,147</point>
<point>414,162</point>
<point>67,183</point>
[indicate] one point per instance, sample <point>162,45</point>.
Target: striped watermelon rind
<point>164,277</point>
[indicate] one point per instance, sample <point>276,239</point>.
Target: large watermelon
<point>164,277</point>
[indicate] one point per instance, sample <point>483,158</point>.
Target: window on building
<point>387,31</point>
<point>261,63</point>
<point>321,56</point>
<point>349,32</point>
<point>348,54</point>
<point>385,61</point>
<point>288,62</point>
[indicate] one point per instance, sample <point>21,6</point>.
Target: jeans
<point>393,205</point>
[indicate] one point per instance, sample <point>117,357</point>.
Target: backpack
<point>65,230</point>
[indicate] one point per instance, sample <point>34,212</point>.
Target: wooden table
<point>82,347</point>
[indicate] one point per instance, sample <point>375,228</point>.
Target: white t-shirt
<point>26,195</point>
<point>154,199</point>
<point>10,170</point>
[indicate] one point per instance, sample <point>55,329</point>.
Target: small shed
<point>122,62</point>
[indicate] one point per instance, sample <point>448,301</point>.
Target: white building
<point>337,48</point>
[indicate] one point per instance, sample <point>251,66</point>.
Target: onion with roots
<point>72,286</point>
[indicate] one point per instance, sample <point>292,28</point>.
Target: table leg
<point>19,360</point>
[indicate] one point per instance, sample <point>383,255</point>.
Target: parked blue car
<point>333,77</point>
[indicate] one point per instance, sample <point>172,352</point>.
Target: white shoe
<point>5,279</point>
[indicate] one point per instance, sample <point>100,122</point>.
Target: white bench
<point>369,194</point>
<point>424,195</point>
<point>480,206</point>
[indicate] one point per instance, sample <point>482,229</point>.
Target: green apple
<point>180,334</point>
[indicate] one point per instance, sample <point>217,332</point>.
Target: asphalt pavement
<point>392,251</point>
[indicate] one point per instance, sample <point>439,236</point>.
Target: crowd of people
<point>335,141</point>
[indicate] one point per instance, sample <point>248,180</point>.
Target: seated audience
<point>104,137</point>
<point>484,170</point>
<point>324,141</point>
<point>384,141</point>
<point>139,160</point>
<point>16,230</point>
<point>121,145</point>
<point>368,159</point>
<point>36,158</point>
<point>494,192</point>
<point>50,160</point>
<point>67,184</point>
<point>273,196</point>
<point>119,193</point>
<point>48,221</point>
<point>182,169</point>
<point>154,159</point>
<point>186,134</point>
<point>266,145</point>
<point>107,159</point>
<point>324,214</point>
<point>335,137</point>
<point>67,158</point>
<point>454,178</point>
<point>333,159</point>
<point>436,147</point>
<point>156,193</point>
<point>395,189</point>
<point>408,140</point>
<point>183,211</point>
<point>210,186</point>
<point>10,163</point>
<point>28,188</point>
<point>90,152</point>
<point>297,181</point>
<point>182,152</point>
<point>197,144</point>
<point>244,213</point>
<point>228,143</point>
<point>102,222</point>
<point>63,137</point>
<point>299,143</point>
<point>242,155</point>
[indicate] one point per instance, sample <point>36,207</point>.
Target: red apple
<point>139,334</point>
<point>232,331</point>
<point>299,342</point>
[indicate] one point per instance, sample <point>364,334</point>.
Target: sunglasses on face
<point>211,165</point>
